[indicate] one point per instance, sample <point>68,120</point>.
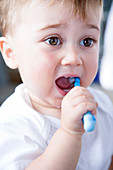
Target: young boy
<point>41,125</point>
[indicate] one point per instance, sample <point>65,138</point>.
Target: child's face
<point>51,43</point>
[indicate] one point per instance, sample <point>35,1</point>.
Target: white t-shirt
<point>25,133</point>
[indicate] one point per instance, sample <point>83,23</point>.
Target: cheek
<point>93,70</point>
<point>39,75</point>
<point>90,71</point>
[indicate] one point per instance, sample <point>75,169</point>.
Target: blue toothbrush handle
<point>89,122</point>
<point>88,119</point>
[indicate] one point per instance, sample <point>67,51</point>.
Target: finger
<point>83,108</point>
<point>79,91</point>
<point>82,99</point>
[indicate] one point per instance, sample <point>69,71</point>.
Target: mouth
<point>65,83</point>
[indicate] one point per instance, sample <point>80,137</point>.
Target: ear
<point>8,53</point>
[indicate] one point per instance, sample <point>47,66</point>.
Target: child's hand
<point>74,105</point>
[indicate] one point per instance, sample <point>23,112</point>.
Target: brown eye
<point>87,42</point>
<point>53,41</point>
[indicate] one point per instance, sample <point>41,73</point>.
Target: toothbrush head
<point>77,81</point>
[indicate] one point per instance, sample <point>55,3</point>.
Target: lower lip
<point>62,92</point>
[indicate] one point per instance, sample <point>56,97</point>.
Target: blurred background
<point>9,79</point>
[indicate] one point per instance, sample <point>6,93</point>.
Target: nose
<point>71,56</point>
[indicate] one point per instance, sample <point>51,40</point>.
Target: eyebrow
<point>53,26</point>
<point>63,25</point>
<point>93,27</point>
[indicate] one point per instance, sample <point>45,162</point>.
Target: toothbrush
<point>88,119</point>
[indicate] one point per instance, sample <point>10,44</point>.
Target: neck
<point>45,109</point>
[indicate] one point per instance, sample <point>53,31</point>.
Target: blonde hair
<point>9,10</point>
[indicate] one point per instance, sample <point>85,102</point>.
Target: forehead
<point>22,10</point>
<point>50,7</point>
<point>79,6</point>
